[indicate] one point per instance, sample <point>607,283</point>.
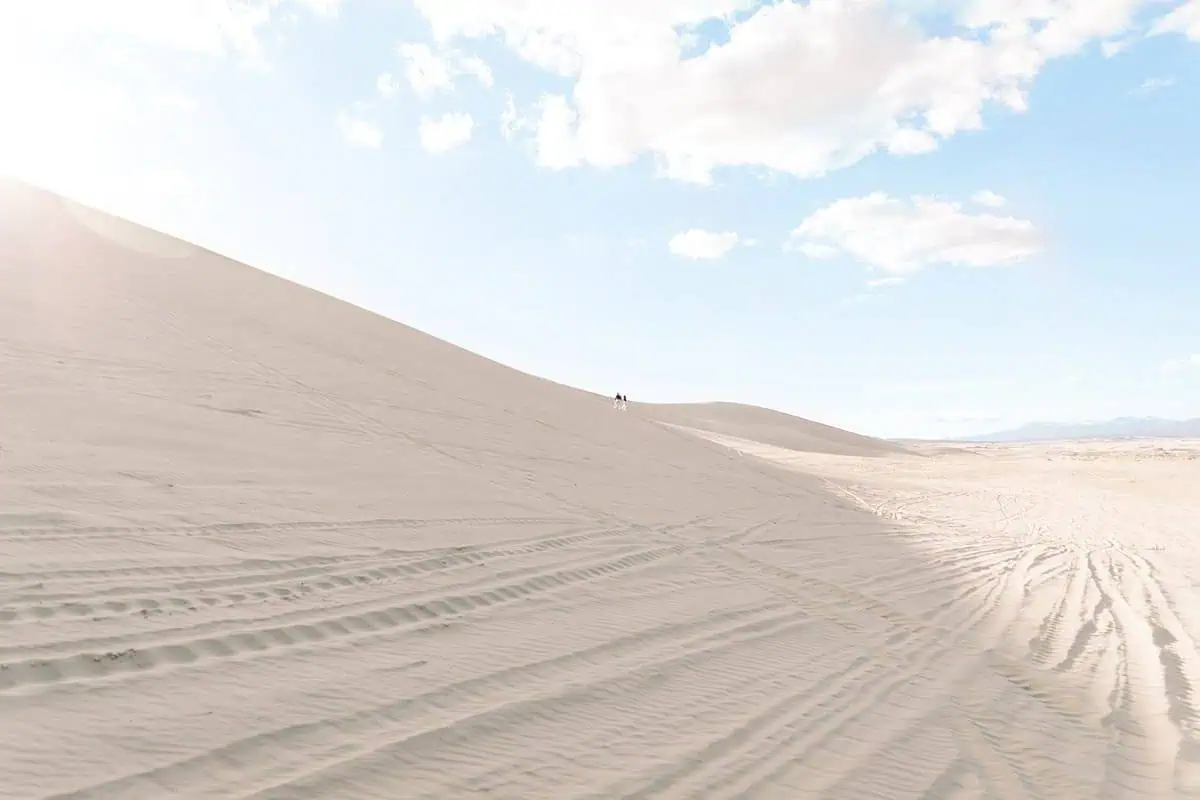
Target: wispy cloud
<point>1184,19</point>
<point>1113,47</point>
<point>387,84</point>
<point>445,133</point>
<point>813,250</point>
<point>359,131</point>
<point>986,197</point>
<point>1154,84</point>
<point>698,244</point>
<point>430,72</point>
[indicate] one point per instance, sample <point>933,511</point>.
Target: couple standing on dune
<point>621,401</point>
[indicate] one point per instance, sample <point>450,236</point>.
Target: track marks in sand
<point>1104,627</point>
<point>316,752</point>
<point>1090,629</point>
<point>813,738</point>
<point>1105,623</point>
<point>635,700</point>
<point>107,593</point>
<point>115,592</point>
<point>1147,738</point>
<point>167,648</point>
<point>475,733</point>
<point>46,534</point>
<point>925,659</point>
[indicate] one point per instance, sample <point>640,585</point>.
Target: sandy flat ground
<point>257,543</point>
<point>1086,561</point>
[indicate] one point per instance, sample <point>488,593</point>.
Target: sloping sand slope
<point>255,542</point>
<point>768,427</point>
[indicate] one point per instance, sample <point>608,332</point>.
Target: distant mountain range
<point>1120,428</point>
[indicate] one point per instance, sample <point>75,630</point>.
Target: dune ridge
<point>770,427</point>
<point>256,542</point>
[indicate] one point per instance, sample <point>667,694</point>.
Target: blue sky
<point>950,217</point>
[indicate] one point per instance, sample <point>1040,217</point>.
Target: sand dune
<point>768,427</point>
<point>255,542</point>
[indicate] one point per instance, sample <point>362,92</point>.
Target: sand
<point>1081,561</point>
<point>766,426</point>
<point>255,542</point>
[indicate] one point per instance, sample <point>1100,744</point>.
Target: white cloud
<point>701,244</point>
<point>802,88</point>
<point>358,131</point>
<point>474,65</point>
<point>445,133</point>
<point>430,72</point>
<point>511,122</point>
<point>323,8</point>
<point>386,84</point>
<point>988,198</point>
<point>903,237</point>
<point>1055,28</point>
<point>890,280</point>
<point>817,251</point>
<point>1114,46</point>
<point>426,71</point>
<point>1183,20</point>
<point>1154,84</point>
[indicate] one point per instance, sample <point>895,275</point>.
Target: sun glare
<point>56,110</point>
<point>28,99</point>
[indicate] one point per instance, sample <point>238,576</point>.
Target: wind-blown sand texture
<point>255,542</point>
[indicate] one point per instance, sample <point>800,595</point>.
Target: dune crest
<point>767,426</point>
<point>257,542</point>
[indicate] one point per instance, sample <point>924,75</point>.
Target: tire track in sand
<point>307,749</point>
<point>138,657</point>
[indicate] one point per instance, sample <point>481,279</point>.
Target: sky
<point>910,218</point>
